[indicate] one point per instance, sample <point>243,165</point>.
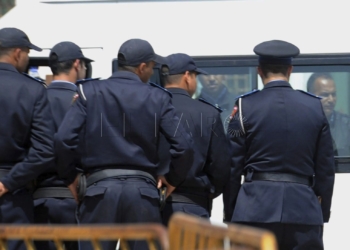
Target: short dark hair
<point>123,67</point>
<point>60,67</point>
<point>166,78</point>
<point>5,51</point>
<point>311,82</point>
<point>274,69</point>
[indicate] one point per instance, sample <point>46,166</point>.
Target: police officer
<point>121,118</point>
<point>54,203</point>
<point>323,85</point>
<point>210,169</point>
<point>26,130</point>
<point>280,140</point>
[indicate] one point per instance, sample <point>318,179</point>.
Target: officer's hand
<point>162,181</point>
<point>73,188</point>
<point>3,189</point>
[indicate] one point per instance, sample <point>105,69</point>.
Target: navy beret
<point>276,52</point>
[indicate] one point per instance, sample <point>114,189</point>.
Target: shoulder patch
<point>213,105</point>
<point>310,94</point>
<point>87,80</point>
<point>35,79</point>
<point>160,87</point>
<point>248,93</point>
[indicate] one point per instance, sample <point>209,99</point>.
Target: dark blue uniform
<point>56,210</point>
<point>26,145</point>
<point>281,130</point>
<point>210,169</point>
<point>121,118</point>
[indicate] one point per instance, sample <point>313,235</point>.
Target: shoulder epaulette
<point>35,79</point>
<point>310,94</point>
<point>87,80</point>
<point>248,93</point>
<point>160,87</point>
<point>213,105</point>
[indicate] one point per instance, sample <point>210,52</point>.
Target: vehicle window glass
<point>43,73</point>
<point>332,84</point>
<point>223,84</point>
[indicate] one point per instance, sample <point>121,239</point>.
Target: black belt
<point>283,177</point>
<point>86,181</point>
<point>107,173</point>
<point>190,199</point>
<point>52,192</point>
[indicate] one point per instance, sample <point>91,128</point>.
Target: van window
<point>223,85</point>
<point>39,67</point>
<point>332,83</point>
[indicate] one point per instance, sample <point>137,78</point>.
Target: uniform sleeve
<point>324,169</point>
<point>41,153</point>
<point>181,144</point>
<point>218,169</point>
<point>237,151</point>
<point>67,140</point>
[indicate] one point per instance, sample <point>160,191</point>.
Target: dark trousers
<point>192,209</point>
<point>294,236</point>
<point>55,211</point>
<point>16,208</point>
<point>128,200</point>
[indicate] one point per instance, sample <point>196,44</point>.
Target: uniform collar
<point>7,66</point>
<point>277,83</point>
<point>62,85</point>
<point>126,75</point>
<point>178,91</point>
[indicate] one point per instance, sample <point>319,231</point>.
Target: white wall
<point>196,28</point>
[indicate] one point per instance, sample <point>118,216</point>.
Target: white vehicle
<point>220,35</point>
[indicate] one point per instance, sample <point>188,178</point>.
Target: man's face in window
<point>212,83</point>
<point>326,88</point>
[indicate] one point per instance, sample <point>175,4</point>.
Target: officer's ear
<point>289,71</point>
<point>16,54</point>
<point>187,77</point>
<point>76,64</point>
<point>142,67</point>
<point>260,72</point>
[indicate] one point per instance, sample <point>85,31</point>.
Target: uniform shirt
<point>286,131</point>
<point>121,118</point>
<point>60,95</point>
<point>340,130</point>
<point>26,128</point>
<point>210,169</point>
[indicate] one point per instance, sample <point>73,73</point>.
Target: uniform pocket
<point>94,191</point>
<point>39,202</point>
<point>149,192</point>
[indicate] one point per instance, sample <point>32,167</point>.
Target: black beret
<point>276,52</point>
